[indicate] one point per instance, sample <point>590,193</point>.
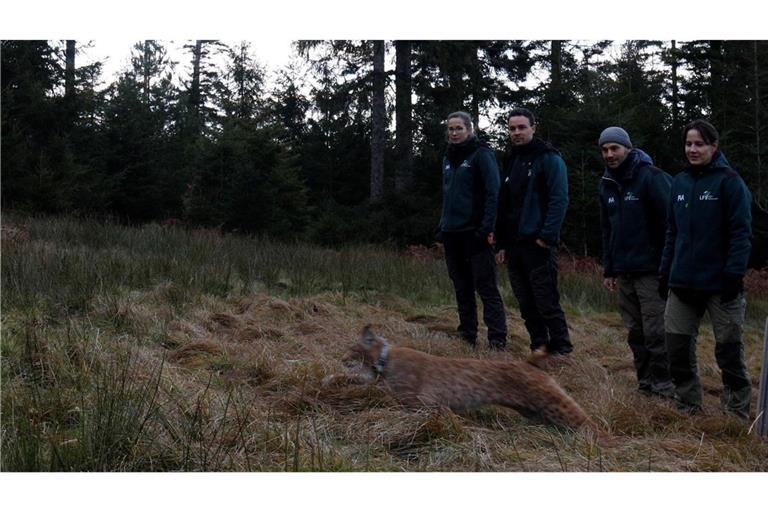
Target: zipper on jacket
<point>692,200</point>
<point>620,201</point>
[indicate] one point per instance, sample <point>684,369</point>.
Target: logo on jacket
<point>680,198</point>
<point>629,196</point>
<point>611,200</point>
<point>708,196</point>
<point>465,164</point>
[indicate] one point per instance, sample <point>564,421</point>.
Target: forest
<point>345,148</point>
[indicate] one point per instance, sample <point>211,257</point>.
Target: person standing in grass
<point>470,193</point>
<point>532,204</point>
<point>633,213</point>
<point>706,252</point>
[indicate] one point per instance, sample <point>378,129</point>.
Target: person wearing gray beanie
<point>633,201</point>
<point>615,134</point>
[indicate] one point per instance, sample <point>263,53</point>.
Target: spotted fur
<point>418,379</point>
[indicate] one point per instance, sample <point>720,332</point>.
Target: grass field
<point>165,349</point>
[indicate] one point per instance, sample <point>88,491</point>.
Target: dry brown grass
<point>274,353</point>
<point>243,383</point>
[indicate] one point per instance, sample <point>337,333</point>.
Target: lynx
<point>418,379</point>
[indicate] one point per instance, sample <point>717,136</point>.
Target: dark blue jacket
<point>470,189</point>
<point>709,227</point>
<point>532,205</point>
<point>633,215</point>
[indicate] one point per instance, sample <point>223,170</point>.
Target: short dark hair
<point>706,130</point>
<point>522,111</point>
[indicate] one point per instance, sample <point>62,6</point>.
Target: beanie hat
<point>615,134</point>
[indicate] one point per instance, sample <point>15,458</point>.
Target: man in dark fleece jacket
<point>470,194</point>
<point>532,204</point>
<point>633,210</point>
<point>706,252</point>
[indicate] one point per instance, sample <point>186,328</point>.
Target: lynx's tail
<point>562,408</point>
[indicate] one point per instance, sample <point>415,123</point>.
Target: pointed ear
<point>367,337</point>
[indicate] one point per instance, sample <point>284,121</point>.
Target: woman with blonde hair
<point>470,195</point>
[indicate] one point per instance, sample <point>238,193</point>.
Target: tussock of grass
<point>196,354</point>
<point>159,349</point>
<point>436,427</point>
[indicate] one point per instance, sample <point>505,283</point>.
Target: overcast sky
<point>391,19</point>
<point>115,53</point>
<point>270,26</point>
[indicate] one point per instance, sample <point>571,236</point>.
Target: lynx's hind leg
<point>595,434</point>
<point>538,356</point>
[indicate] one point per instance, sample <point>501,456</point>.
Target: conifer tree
<point>403,117</point>
<point>378,123</point>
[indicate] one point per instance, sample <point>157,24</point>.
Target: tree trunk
<point>194,89</point>
<point>758,148</point>
<point>717,77</point>
<point>475,77</point>
<point>403,117</point>
<point>454,71</point>
<point>583,200</point>
<point>242,108</point>
<point>556,68</point>
<point>553,98</point>
<point>147,70</point>
<point>378,118</point>
<point>69,74</point>
<point>675,63</point>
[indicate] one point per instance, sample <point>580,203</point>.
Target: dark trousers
<point>642,310</point>
<point>472,268</point>
<point>533,276</point>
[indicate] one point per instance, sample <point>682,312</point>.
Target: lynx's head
<point>370,352</point>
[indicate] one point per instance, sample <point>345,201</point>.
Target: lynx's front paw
<point>337,380</point>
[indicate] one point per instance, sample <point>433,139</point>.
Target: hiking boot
<point>663,389</point>
<point>741,415</point>
<point>736,402</point>
<point>686,408</point>
<point>497,345</point>
<point>689,409</point>
<point>560,350</point>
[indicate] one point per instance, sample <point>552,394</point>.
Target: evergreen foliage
<point>207,142</point>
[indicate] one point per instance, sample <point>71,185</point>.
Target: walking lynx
<point>418,379</point>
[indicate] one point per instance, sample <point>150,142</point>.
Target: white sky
<point>271,26</point>
<point>389,19</point>
<point>115,53</point>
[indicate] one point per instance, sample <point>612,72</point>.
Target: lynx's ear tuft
<point>367,337</point>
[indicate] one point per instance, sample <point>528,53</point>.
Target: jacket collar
<point>626,171</point>
<point>718,162</point>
